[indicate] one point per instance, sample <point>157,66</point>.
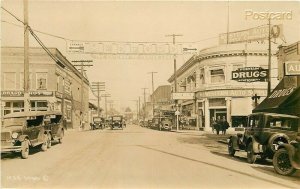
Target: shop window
<point>16,106</point>
<point>9,81</point>
<point>217,102</point>
<point>41,81</point>
<point>39,105</point>
<point>239,121</point>
<point>217,76</point>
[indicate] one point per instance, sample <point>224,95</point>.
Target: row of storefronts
<point>52,86</point>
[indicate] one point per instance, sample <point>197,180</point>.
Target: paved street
<point>138,157</point>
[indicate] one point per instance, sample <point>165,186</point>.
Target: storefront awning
<point>241,106</point>
<point>284,95</point>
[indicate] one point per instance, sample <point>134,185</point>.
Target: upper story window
<point>217,76</point>
<point>9,81</point>
<point>202,78</point>
<point>41,81</point>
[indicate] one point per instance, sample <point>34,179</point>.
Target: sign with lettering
<point>250,74</point>
<point>183,96</point>
<point>292,67</point>
<point>282,92</point>
<point>253,34</point>
<point>41,93</point>
<point>12,93</point>
<point>231,93</point>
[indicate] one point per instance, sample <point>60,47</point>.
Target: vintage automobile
<point>165,123</point>
<point>286,159</point>
<point>117,122</point>
<point>264,133</point>
<point>98,123</point>
<point>22,130</point>
<point>155,123</point>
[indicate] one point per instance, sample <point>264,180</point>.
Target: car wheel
<point>25,149</point>
<point>282,164</point>
<point>231,150</point>
<point>61,136</point>
<point>45,143</point>
<point>49,141</point>
<point>251,157</point>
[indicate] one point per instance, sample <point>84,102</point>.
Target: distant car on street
<point>117,122</point>
<point>98,123</point>
<point>22,130</point>
<point>264,134</point>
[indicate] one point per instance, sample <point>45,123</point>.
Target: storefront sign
<point>252,34</point>
<point>281,92</point>
<point>250,74</point>
<point>41,93</point>
<point>183,96</point>
<point>12,93</point>
<point>230,93</point>
<point>292,68</point>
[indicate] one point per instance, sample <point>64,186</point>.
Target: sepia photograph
<point>150,94</point>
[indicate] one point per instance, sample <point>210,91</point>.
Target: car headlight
<point>14,135</point>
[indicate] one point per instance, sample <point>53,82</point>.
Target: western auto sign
<point>250,74</point>
<point>183,96</point>
<point>292,68</point>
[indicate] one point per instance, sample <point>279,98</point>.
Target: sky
<point>135,21</point>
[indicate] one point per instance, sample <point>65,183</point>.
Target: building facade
<point>52,86</point>
<point>208,75</point>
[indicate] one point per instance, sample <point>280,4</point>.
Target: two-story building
<point>52,86</point>
<point>209,76</point>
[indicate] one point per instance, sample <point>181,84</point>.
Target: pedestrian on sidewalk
<point>224,125</point>
<point>213,124</point>
<point>218,125</point>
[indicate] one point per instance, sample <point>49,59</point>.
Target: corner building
<point>208,76</point>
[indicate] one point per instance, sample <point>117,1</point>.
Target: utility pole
<point>137,109</point>
<point>26,58</point>
<point>139,106</point>
<point>269,59</point>
<point>97,87</point>
<point>105,99</point>
<point>175,74</point>
<point>144,113</point>
<point>153,98</point>
<point>81,91</point>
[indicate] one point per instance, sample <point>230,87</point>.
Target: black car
<point>264,134</point>
<point>117,122</point>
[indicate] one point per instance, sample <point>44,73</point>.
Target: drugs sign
<point>250,74</point>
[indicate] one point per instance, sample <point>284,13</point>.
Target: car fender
<point>256,146</point>
<point>294,154</point>
<point>282,137</point>
<point>234,140</point>
<point>21,138</point>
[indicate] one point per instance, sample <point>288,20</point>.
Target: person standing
<point>213,124</point>
<point>218,125</point>
<point>225,125</point>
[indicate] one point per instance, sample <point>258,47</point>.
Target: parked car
<point>165,123</point>
<point>117,122</point>
<point>98,123</point>
<point>22,130</point>
<point>286,159</point>
<point>264,133</point>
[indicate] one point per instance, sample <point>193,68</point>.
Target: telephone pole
<point>139,106</point>
<point>269,59</point>
<point>175,74</point>
<point>97,87</point>
<point>81,91</point>
<point>153,99</point>
<point>105,99</point>
<point>144,113</point>
<point>26,58</point>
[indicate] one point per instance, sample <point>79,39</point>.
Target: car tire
<point>231,150</point>
<point>45,143</point>
<point>61,136</point>
<point>251,157</point>
<point>25,149</point>
<point>282,164</point>
<point>49,141</point>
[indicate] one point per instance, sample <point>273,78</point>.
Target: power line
<point>13,15</point>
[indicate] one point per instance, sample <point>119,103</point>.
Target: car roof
<point>31,113</point>
<point>274,114</point>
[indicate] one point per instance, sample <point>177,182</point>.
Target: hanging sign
<point>250,74</point>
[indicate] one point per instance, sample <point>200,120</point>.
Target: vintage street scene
<point>150,94</point>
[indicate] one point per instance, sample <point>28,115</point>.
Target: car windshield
<point>117,118</point>
<point>281,122</point>
<point>97,119</point>
<point>8,122</point>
